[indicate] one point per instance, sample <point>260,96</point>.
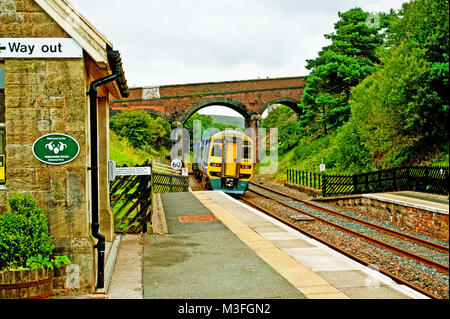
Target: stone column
<point>255,125</point>
<point>105,213</point>
<point>180,145</point>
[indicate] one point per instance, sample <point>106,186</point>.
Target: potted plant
<point>26,252</point>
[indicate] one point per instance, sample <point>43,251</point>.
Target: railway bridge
<point>250,98</point>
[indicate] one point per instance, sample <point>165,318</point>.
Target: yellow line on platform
<point>301,277</point>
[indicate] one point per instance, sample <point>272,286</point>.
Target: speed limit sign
<point>176,164</point>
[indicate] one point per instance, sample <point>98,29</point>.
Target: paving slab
<point>323,263</point>
<point>350,278</point>
<point>280,236</point>
<point>291,243</point>
<point>380,292</point>
<point>205,260</point>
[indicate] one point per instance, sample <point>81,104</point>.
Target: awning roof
<point>87,36</point>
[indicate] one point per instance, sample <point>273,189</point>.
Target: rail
<point>404,251</point>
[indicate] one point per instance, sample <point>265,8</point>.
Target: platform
<point>427,202</point>
<point>217,247</point>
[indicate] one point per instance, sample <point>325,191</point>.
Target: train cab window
<point>217,150</point>
<point>246,153</point>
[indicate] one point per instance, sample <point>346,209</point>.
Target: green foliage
<point>234,121</point>
<point>289,134</point>
<point>123,153</point>
<point>141,129</point>
<point>349,154</point>
<point>375,97</point>
<point>59,260</point>
<point>24,204</point>
<point>340,66</point>
<point>39,262</point>
<point>401,110</point>
<point>207,122</point>
<point>23,232</point>
<point>277,117</point>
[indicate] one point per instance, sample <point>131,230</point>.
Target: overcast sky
<point>175,41</point>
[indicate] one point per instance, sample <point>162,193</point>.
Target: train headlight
<point>246,166</point>
<point>215,164</point>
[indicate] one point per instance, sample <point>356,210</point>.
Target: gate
<point>131,196</point>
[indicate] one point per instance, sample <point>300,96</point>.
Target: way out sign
<point>56,149</point>
<point>39,48</point>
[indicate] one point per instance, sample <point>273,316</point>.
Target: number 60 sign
<point>176,164</point>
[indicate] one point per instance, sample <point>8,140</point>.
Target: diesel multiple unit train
<point>224,161</point>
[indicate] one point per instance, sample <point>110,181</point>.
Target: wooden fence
<point>415,178</point>
<point>131,197</point>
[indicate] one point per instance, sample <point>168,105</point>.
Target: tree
<point>277,117</point>
<point>343,64</point>
<point>401,110</point>
<point>141,129</point>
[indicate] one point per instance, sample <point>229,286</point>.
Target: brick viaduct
<point>250,98</point>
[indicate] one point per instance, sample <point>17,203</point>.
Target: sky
<point>175,42</point>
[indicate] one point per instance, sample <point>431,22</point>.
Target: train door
<point>230,160</point>
<point>231,156</point>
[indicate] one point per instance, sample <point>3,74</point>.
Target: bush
<point>141,129</point>
<point>23,233</point>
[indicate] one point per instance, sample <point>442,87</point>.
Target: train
<point>225,161</point>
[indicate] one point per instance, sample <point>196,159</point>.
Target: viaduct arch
<point>250,98</point>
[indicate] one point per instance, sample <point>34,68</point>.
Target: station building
<point>50,60</point>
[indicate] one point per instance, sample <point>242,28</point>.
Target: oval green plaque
<point>56,149</point>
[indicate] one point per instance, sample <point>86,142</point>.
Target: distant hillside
<point>232,120</point>
<point>123,153</point>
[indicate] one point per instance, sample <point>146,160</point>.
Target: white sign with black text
<point>39,48</point>
<point>124,171</point>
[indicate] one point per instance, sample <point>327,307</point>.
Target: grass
<point>307,156</point>
<point>123,153</point>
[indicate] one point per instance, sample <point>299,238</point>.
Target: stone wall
<point>432,224</point>
<point>48,96</point>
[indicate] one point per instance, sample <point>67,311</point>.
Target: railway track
<point>423,251</point>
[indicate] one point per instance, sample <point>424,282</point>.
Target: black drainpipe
<point>94,173</point>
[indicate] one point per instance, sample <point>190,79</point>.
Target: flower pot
<point>26,284</point>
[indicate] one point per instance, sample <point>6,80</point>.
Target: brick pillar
<point>255,124</point>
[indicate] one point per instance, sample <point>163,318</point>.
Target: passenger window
<point>217,150</point>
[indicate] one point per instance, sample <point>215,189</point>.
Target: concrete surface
<point>126,281</point>
<point>205,260</point>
